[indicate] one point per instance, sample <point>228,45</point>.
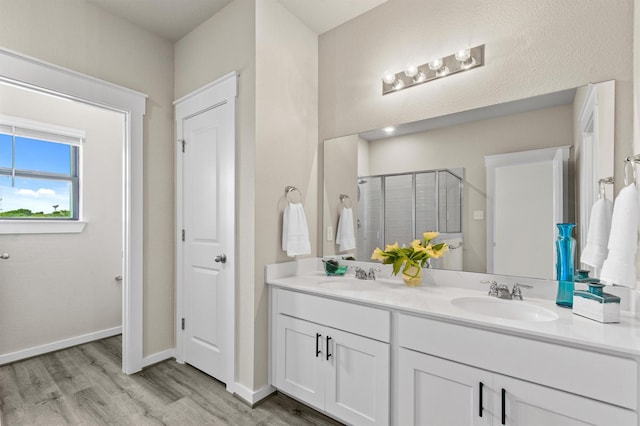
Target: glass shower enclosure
<point>400,207</point>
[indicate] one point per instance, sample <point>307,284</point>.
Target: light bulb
<point>463,55</point>
<point>465,65</point>
<point>444,70</point>
<point>411,70</point>
<point>389,129</point>
<point>420,77</point>
<point>399,84</point>
<point>465,59</point>
<point>435,64</point>
<point>389,77</point>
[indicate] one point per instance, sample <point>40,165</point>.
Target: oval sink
<point>505,309</point>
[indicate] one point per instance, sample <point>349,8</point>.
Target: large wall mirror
<point>432,175</point>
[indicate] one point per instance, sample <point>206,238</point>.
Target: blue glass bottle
<point>566,252</point>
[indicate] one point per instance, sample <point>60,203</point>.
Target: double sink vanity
<point>446,353</point>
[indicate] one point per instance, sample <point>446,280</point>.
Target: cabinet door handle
<point>328,354</point>
<point>504,407</point>
<point>480,387</point>
<point>318,351</point>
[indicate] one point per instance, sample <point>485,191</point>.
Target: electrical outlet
<point>478,215</point>
<point>329,233</point>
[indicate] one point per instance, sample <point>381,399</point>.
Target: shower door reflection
<point>400,207</point>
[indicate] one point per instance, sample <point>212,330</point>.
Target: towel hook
<point>630,162</point>
<point>289,189</point>
<point>345,199</point>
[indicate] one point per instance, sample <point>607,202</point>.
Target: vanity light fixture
<point>438,66</point>
<point>462,60</point>
<point>464,57</point>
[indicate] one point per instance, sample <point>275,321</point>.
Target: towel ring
<point>288,190</point>
<point>629,161</point>
<point>345,199</point>
<point>601,183</point>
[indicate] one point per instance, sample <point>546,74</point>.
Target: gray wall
<point>276,56</point>
<point>532,48</point>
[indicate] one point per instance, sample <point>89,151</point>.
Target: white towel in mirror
<point>295,233</point>
<point>346,236</point>
<point>619,268</point>
<point>595,251</point>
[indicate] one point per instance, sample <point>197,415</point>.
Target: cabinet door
<point>297,362</point>
<point>528,404</point>
<point>434,391</point>
<point>358,378</point>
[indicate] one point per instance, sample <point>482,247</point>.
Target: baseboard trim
<point>60,344</point>
<point>158,357</point>
<point>252,397</point>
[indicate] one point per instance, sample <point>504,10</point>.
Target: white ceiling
<point>170,19</point>
<point>323,15</point>
<point>173,19</point>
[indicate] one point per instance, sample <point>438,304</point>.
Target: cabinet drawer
<point>603,377</point>
<point>357,319</point>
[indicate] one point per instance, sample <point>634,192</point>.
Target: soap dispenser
<point>596,304</point>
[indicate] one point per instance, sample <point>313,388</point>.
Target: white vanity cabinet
<point>433,391</point>
<point>332,355</point>
<point>455,375</point>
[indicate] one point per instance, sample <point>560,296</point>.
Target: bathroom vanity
<point>377,352</point>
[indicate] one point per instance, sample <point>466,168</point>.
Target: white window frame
<point>60,134</point>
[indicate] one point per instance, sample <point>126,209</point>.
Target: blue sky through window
<point>37,195</point>
<point>43,156</point>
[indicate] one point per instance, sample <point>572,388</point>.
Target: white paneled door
<point>207,249</point>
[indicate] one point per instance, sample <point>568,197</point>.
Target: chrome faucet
<point>493,290</point>
<point>361,274</point>
<point>503,292</point>
<point>371,275</point>
<point>516,293</point>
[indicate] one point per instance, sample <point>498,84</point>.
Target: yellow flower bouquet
<point>414,258</point>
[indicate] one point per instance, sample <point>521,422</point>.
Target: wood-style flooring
<point>84,385</point>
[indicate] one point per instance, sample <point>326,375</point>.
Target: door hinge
<point>183,142</point>
<point>183,235</point>
<point>183,323</point>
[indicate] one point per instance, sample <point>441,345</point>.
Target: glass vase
<point>412,275</point>
<point>565,252</point>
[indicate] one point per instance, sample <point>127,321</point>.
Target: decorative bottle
<point>566,252</point>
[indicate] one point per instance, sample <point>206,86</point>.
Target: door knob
<point>119,278</point>
<point>5,256</point>
<point>221,258</point>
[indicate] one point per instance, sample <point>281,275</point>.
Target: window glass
<point>38,179</point>
<point>35,198</point>
<point>43,156</point>
<point>5,151</point>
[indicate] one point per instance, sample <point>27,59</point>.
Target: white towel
<point>346,235</point>
<point>595,251</point>
<point>620,268</point>
<point>295,233</point>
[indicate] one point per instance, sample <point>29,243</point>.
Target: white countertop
<point>434,301</point>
